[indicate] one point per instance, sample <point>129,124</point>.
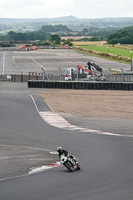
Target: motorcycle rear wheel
<point>69,166</point>
<point>78,167</point>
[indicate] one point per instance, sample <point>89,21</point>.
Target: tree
<point>123,36</point>
<point>55,39</point>
<point>68,42</point>
<point>85,31</point>
<point>11,36</point>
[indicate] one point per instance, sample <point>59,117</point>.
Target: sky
<point>60,8</point>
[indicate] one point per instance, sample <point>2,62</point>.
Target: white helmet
<point>59,148</point>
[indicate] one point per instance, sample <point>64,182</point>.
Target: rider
<point>61,151</point>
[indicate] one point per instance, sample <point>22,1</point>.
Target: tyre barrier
<point>81,85</point>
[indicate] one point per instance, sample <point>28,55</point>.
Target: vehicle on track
<point>81,72</point>
<point>70,163</point>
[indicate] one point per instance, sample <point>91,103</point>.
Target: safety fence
<point>125,77</point>
<point>26,77</point>
<point>27,49</point>
<point>81,85</point>
<point>20,77</point>
<point>60,77</point>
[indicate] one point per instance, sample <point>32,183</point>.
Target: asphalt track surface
<point>106,161</point>
<point>17,62</point>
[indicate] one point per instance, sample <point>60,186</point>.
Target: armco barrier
<point>82,85</point>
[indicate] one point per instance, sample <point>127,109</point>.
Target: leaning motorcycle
<point>70,163</point>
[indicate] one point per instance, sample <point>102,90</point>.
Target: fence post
<point>122,74</point>
<point>21,76</point>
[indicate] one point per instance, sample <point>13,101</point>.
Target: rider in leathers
<point>61,151</point>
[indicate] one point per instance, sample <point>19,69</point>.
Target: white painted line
<point>34,171</point>
<point>56,120</point>
<point>43,68</point>
<point>39,169</point>
<point>3,70</point>
<point>44,168</point>
<point>53,152</point>
<point>34,103</point>
<point>52,165</point>
<point>36,61</point>
<point>26,147</point>
<point>48,117</point>
<point>13,177</point>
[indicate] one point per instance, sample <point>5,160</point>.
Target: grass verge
<point>108,56</point>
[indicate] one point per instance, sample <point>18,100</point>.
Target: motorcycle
<point>70,163</point>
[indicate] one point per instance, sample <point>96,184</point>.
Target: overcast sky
<point>59,8</point>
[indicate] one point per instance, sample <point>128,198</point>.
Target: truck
<point>81,72</point>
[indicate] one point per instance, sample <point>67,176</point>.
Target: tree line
<point>23,37</point>
<point>43,34</point>
<point>35,38</point>
<point>56,28</point>
<point>123,36</point>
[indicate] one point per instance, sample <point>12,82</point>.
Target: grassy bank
<point>110,50</point>
<point>111,53</point>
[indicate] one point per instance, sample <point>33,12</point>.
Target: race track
<point>106,161</point>
<point>17,62</point>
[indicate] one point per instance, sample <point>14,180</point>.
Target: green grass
<point>111,50</point>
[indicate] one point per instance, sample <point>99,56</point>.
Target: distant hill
<point>17,20</point>
<point>73,23</point>
<point>56,28</point>
<point>92,21</point>
<point>123,36</point>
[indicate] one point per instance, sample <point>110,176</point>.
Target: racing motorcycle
<point>70,163</point>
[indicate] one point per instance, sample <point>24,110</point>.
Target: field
<point>74,37</point>
<point>102,46</point>
<point>81,43</point>
<point>109,49</point>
